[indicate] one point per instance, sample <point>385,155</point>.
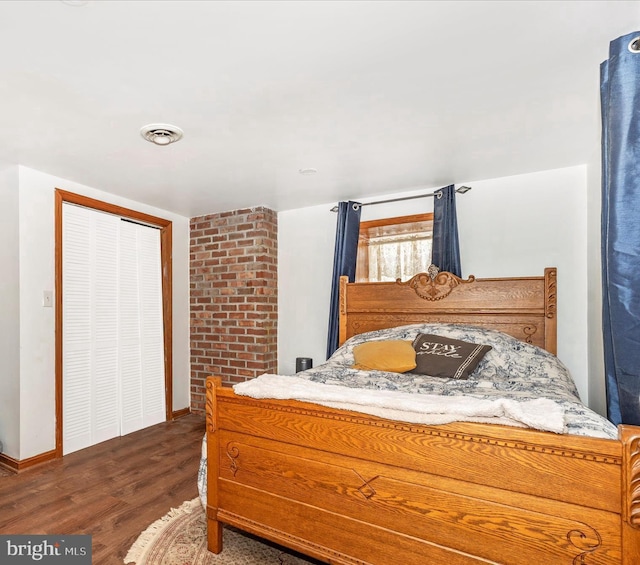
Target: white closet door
<point>141,335</point>
<point>151,329</point>
<point>113,343</point>
<point>106,415</point>
<point>90,354</point>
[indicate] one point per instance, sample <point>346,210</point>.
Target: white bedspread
<point>540,413</point>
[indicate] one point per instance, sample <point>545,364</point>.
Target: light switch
<point>47,298</point>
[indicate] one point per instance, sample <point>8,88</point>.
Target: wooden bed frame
<point>349,488</point>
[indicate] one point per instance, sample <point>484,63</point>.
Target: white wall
<point>37,335</point>
<point>9,314</point>
<point>305,261</point>
<point>597,386</point>
<point>512,226</point>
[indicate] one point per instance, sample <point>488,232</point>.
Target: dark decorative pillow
<point>439,356</point>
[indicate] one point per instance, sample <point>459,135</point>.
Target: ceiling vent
<point>161,134</point>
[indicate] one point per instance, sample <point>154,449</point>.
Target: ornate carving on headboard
<point>529,331</point>
<point>435,288</point>
<point>342,298</point>
<point>551,299</point>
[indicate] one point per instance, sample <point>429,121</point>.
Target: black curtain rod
<point>461,190</point>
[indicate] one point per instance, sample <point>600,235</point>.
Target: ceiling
<point>379,97</point>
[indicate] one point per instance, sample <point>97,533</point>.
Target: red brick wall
<point>234,297</point>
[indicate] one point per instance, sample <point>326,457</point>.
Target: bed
<point>347,487</point>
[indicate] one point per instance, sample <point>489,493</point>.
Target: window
<point>394,248</point>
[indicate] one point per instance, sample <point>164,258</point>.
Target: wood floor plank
<point>112,490</point>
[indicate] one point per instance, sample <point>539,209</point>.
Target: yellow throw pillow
<point>396,356</point>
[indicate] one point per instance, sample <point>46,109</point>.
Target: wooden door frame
<point>165,226</point>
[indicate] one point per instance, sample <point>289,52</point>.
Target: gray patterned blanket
<point>515,384</point>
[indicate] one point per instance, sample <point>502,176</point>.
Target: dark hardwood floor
<point>112,490</point>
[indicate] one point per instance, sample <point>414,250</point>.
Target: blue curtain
<point>446,247</point>
<point>620,98</point>
<point>344,263</point>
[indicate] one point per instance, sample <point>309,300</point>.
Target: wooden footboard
<point>350,488</point>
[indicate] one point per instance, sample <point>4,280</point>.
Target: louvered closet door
<point>141,330</point>
<point>113,345</point>
<point>90,328</point>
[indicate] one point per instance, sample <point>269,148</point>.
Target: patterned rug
<point>180,538</point>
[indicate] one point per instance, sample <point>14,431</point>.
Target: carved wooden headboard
<point>523,307</point>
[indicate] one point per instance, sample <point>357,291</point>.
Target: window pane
<point>394,249</point>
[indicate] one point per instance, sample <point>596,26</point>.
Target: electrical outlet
<point>47,298</point>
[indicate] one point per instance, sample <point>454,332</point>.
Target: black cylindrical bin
<point>303,363</point>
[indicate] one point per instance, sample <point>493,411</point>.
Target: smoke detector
<point>161,134</point>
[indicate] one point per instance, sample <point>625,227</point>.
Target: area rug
<point>180,538</point>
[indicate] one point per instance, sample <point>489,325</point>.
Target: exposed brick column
<point>234,297</point>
